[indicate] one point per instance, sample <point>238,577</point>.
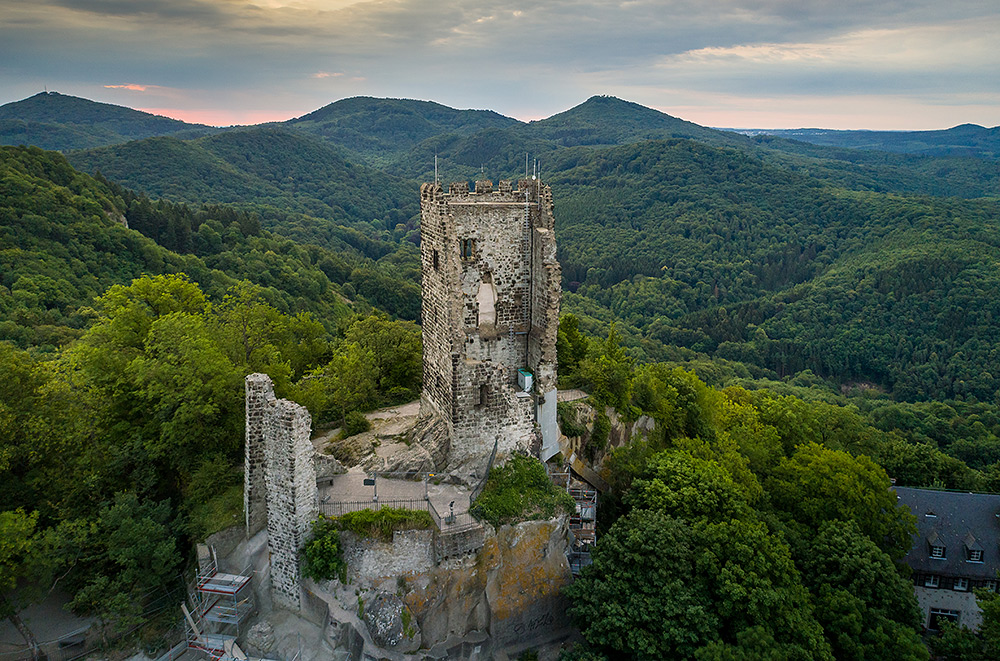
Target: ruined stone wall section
<point>279,446</point>
<point>259,392</point>
<point>546,293</point>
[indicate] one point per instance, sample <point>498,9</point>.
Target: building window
<point>961,584</point>
<point>434,259</point>
<point>484,394</point>
<point>991,586</point>
<point>468,248</point>
<point>975,555</point>
<point>940,614</point>
<point>937,552</point>
<point>932,581</point>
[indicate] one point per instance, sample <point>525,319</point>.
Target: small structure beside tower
<point>491,292</point>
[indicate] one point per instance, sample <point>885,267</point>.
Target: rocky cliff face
<point>589,438</point>
<point>511,589</point>
<point>505,597</point>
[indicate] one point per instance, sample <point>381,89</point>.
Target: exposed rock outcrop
<point>390,623</point>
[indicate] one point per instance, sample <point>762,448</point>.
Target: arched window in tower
<point>468,249</point>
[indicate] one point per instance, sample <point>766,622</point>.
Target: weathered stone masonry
<point>279,482</point>
<point>491,291</point>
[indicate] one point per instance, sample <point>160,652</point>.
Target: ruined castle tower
<point>491,290</point>
<point>279,488</point>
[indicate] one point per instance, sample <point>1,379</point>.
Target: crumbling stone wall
<point>491,286</point>
<point>279,483</point>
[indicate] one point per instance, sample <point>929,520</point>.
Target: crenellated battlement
<point>528,190</point>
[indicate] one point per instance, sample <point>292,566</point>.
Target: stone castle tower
<point>491,290</point>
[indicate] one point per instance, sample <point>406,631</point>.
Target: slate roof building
<point>956,549</point>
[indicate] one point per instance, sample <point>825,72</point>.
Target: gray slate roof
<point>962,519</point>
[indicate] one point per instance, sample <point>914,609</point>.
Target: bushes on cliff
<point>520,490</point>
<point>323,554</point>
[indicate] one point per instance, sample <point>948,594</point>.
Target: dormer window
<point>937,549</point>
<point>973,549</point>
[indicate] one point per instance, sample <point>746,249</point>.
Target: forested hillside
<point>121,375</point>
<point>785,312</point>
<point>859,266</point>
<point>56,121</point>
<point>270,167</point>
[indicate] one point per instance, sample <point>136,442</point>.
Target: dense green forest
<point>63,242</point>
<point>751,524</point>
<point>801,321</point>
<point>122,365</point>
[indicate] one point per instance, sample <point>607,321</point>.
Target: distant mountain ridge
<point>962,140</point>
<point>378,129</point>
<point>389,133</point>
<point>608,120</point>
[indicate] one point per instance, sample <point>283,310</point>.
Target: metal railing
<point>486,476</point>
<point>340,508</point>
<point>451,522</point>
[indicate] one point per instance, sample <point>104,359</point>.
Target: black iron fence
<point>449,522</point>
<point>340,508</point>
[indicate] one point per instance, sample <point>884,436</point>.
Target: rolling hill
<point>777,253</point>
<point>57,121</point>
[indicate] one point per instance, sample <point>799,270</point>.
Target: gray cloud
<point>518,57</point>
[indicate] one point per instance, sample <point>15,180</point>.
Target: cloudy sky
<point>877,64</point>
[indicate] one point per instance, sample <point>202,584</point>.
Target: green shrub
<point>355,423</point>
<point>520,490</point>
<point>323,554</point>
<point>565,412</point>
<point>218,512</point>
<point>599,437</point>
<point>381,523</point>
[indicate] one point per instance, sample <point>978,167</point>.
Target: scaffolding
<point>220,603</point>
<point>582,522</point>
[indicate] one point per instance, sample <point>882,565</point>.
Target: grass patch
<point>381,523</point>
<point>520,490</point>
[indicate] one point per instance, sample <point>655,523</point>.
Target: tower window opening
<point>484,393</point>
<point>468,248</point>
<point>434,259</point>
